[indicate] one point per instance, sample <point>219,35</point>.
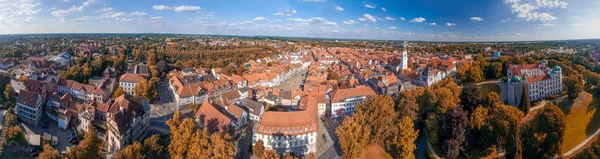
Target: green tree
<point>524,105</point>
<point>574,85</point>
<point>89,147</point>
<point>259,149</point>
<point>9,93</point>
<point>133,151</point>
<point>405,140</point>
<point>455,133</point>
<point>470,97</point>
<point>118,92</point>
<point>544,135</point>
<point>49,153</point>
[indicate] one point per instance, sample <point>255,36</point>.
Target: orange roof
<point>133,78</point>
<point>291,123</point>
<point>538,78</point>
<point>341,94</point>
<point>212,118</point>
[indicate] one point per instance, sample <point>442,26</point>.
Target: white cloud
<point>418,20</point>
<point>368,17</point>
<point>313,0</point>
<point>339,8</point>
<point>451,24</point>
<point>576,24</point>
<point>138,14</point>
<point>187,9</point>
<point>528,12</point>
<point>259,19</point>
<point>392,27</point>
<point>285,13</point>
<point>126,19</point>
<point>369,6</point>
<point>29,19</point>
<point>431,23</point>
<point>17,10</point>
<point>402,18</point>
<point>547,24</point>
<point>112,15</point>
<point>389,18</point>
<point>350,22</point>
<point>476,19</point>
<point>161,7</point>
<point>313,21</point>
<point>245,22</point>
<point>383,9</point>
<point>505,20</point>
<point>551,4</point>
<point>156,18</point>
<point>319,20</point>
<point>501,33</point>
<point>74,8</point>
<point>81,19</point>
<point>105,9</point>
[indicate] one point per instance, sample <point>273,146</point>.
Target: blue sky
<point>432,20</point>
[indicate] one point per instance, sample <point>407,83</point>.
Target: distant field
<point>488,88</point>
<point>581,120</point>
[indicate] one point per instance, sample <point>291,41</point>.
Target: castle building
<point>539,79</point>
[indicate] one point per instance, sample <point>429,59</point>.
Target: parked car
<point>75,141</point>
<point>45,125</point>
<point>33,152</point>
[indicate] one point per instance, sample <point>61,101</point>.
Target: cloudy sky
<point>432,20</point>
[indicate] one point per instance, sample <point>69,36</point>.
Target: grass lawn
<point>581,120</point>
<point>488,88</point>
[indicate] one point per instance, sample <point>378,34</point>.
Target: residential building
<point>344,100</point>
<point>214,120</point>
<point>29,107</point>
<point>290,131</point>
<point>255,109</point>
<point>128,120</point>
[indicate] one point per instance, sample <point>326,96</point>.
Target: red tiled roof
<point>342,94</point>
<point>208,114</point>
<point>291,123</point>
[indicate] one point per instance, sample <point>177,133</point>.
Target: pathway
<point>582,144</point>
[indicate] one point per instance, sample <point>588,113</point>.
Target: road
<point>330,149</point>
<point>294,82</point>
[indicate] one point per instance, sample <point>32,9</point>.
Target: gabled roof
<point>341,94</point>
<point>212,119</point>
<point>28,98</point>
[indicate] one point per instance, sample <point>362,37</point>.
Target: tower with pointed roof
<point>404,57</point>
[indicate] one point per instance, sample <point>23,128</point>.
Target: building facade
<point>286,132</point>
<point>539,80</point>
<point>29,107</point>
<point>344,100</point>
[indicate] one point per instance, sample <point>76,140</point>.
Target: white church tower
<point>404,58</point>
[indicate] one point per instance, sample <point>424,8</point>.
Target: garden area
<point>488,88</point>
<point>581,118</point>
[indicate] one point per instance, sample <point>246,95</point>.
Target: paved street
<point>164,109</point>
<point>244,142</point>
<point>331,148</point>
<point>294,82</point>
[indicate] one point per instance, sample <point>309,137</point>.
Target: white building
<point>129,81</point>
<point>539,80</point>
<point>294,131</point>
<point>29,107</point>
<point>344,100</point>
